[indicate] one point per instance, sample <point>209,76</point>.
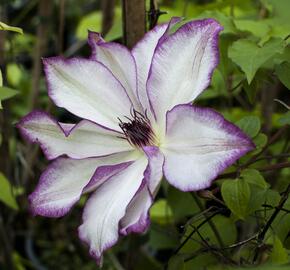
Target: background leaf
<point>236,194</point>
<point>283,73</point>
<point>250,125</point>
<point>250,57</point>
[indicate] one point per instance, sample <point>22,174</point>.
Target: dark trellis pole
<point>134,21</point>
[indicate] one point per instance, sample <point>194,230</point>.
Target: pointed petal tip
<point>96,255</point>
<point>94,38</point>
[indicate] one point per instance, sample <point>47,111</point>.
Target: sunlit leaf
<point>279,254</point>
<point>14,74</point>
<point>161,212</point>
<point>4,26</point>
<point>6,195</point>
<point>93,22</point>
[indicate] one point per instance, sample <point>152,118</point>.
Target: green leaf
<point>251,89</point>
<point>254,177</point>
<point>258,197</point>
<point>161,212</point>
<point>279,254</point>
<point>283,73</point>
<point>6,194</point>
<point>251,125</point>
<point>4,26</point>
<point>250,57</point>
<point>116,31</point>
<point>163,237</point>
<point>176,263</point>
<point>236,194</point>
<point>260,141</point>
<point>177,199</point>
<point>93,22</point>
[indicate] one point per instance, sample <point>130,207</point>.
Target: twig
<point>262,169</point>
<point>274,138</point>
<point>241,242</point>
<point>282,103</point>
<point>262,234</point>
<point>211,224</point>
<point>272,207</point>
<point>192,233</point>
<point>153,14</point>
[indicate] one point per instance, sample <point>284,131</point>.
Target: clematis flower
<point>138,126</point>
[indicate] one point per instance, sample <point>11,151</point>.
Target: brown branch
<point>107,7</point>
<point>61,27</point>
<point>134,21</point>
<point>44,13</point>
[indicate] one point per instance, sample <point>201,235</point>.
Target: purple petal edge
<point>94,38</point>
<point>44,211</point>
<point>228,126</point>
<point>105,172</point>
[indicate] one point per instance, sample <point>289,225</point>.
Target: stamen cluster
<point>138,130</point>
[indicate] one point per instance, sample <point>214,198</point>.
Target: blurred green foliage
<point>254,70</point>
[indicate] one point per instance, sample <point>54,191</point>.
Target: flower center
<point>137,130</point>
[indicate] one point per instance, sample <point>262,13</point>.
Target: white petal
<point>154,171</point>
<point>143,53</point>
<point>137,213</point>
<point>85,139</point>
<point>87,89</point>
<point>182,66</point>
<point>119,60</point>
<point>136,218</point>
<point>199,145</point>
<point>62,183</point>
<point>107,206</point>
